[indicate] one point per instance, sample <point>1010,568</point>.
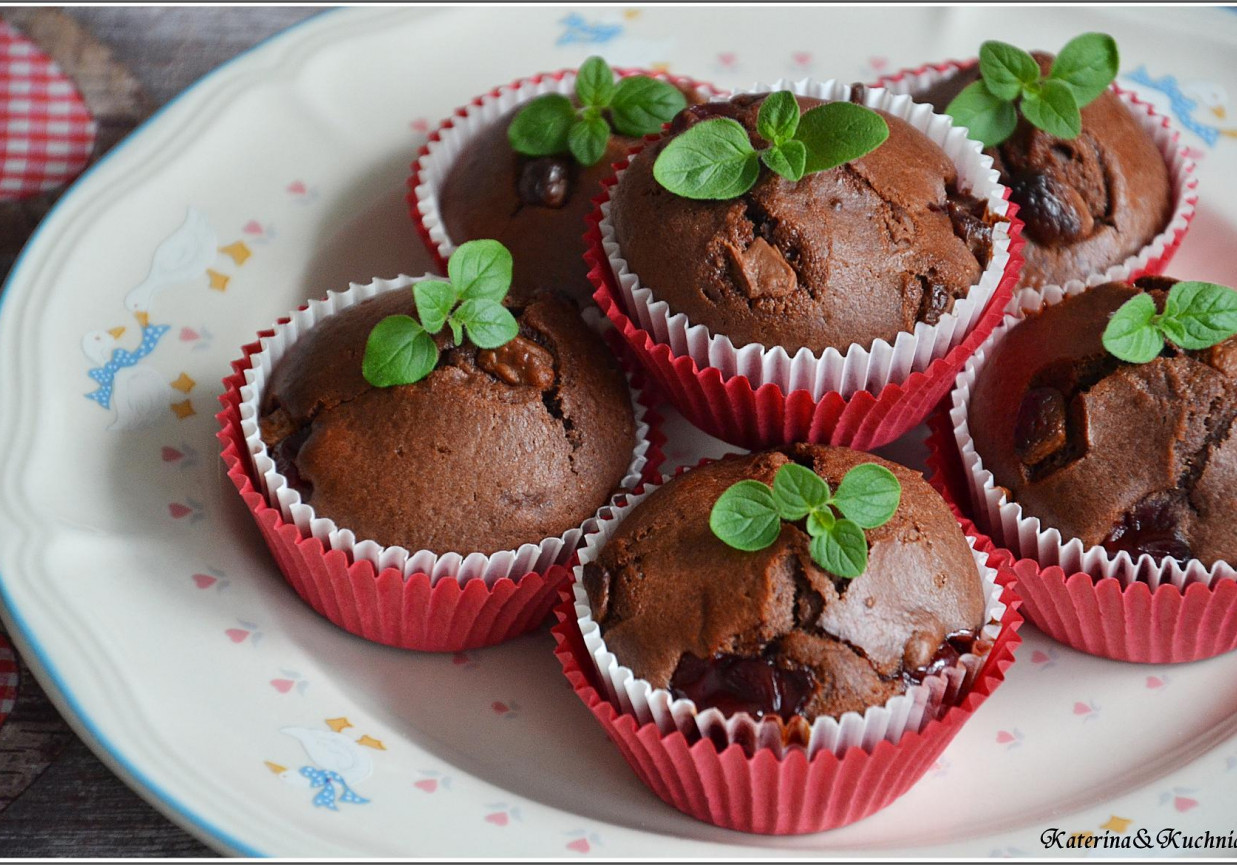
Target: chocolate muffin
<point>1086,203</point>
<point>770,632</point>
<point>492,450</point>
<point>535,206</point>
<point>849,255</point>
<point>1136,457</point>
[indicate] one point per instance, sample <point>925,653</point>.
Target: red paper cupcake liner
<point>1181,170</point>
<point>383,606</point>
<point>1101,617</point>
<point>436,250</point>
<point>731,409</point>
<point>761,793</point>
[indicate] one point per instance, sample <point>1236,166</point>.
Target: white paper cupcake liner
<point>461,566</point>
<point>858,367</point>
<point>457,133</point>
<point>1003,519</point>
<point>907,712</point>
<point>1153,257</point>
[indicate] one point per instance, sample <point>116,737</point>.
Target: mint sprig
<point>715,159</point>
<point>1011,82</point>
<point>401,350</point>
<point>634,106</point>
<point>748,516</point>
<point>1196,315</point>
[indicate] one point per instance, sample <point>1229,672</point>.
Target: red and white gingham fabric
<point>8,679</point>
<point>46,131</point>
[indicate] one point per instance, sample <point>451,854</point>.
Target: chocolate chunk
<point>761,271</point>
<point>597,586</point>
<point>733,683</point>
<point>858,93</point>
<point>1153,283</point>
<point>284,454</point>
<point>1053,212</point>
<point>935,301</point>
<point>1150,527</point>
<point>920,650</point>
<point>519,362</point>
<point>545,182</point>
<point>1040,430</point>
<point>968,217</point>
<point>945,655</point>
<point>693,114</point>
<point>277,426</point>
<point>1221,357</point>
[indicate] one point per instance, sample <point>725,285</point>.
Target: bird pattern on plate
<point>338,762</point>
<point>138,393</point>
<point>1199,106</point>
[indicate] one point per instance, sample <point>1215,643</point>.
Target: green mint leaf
<point>1131,334</point>
<point>820,521</point>
<point>1052,108</point>
<point>457,330</point>
<point>778,118</point>
<point>842,550</point>
<point>1087,65</point>
<point>786,159</point>
<point>587,139</point>
<point>712,160</point>
<point>480,269</point>
<point>540,129</point>
<point>837,132</point>
<point>988,119</point>
<point>488,322</point>
<point>434,300</point>
<point>398,351</point>
<point>797,491</point>
<point>1198,315</point>
<point>595,83</point>
<point>1006,68</point>
<point>745,517</point>
<point>868,495</point>
<point>642,105</point>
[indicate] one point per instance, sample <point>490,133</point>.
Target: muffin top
<point>848,255</point>
<point>535,206</point>
<point>1136,457</point>
<point>493,449</point>
<point>771,632</point>
<point>1086,203</point>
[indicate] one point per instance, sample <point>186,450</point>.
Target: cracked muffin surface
<point>1134,457</point>
<point>1086,203</point>
<point>849,255</point>
<point>770,632</point>
<point>492,450</point>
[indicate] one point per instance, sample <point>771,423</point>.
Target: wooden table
<point>56,797</point>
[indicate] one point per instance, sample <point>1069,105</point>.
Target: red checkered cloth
<point>8,679</point>
<point>46,131</point>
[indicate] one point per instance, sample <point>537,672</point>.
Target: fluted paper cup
<point>864,396</point>
<point>740,772</point>
<point>412,599</point>
<point>1146,609</point>
<point>1155,255</point>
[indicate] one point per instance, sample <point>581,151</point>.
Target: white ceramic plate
<point>141,594</point>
